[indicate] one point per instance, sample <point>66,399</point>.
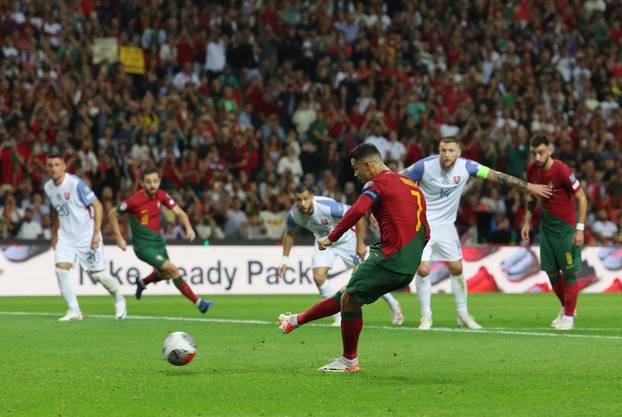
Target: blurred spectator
<point>235,219</point>
<point>604,229</point>
<point>29,228</point>
<point>290,162</point>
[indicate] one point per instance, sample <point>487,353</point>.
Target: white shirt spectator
<point>502,121</point>
<point>30,230</point>
<point>207,231</point>
<point>605,229</point>
<point>609,107</point>
<point>274,223</point>
<point>182,78</point>
<point>291,163</point>
<point>141,153</point>
<point>595,5</point>
<point>381,143</point>
<point>303,119</point>
<point>168,53</point>
<point>216,58</point>
<point>449,130</point>
<point>15,216</point>
<point>396,150</point>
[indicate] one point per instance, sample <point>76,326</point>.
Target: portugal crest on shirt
<point>324,222</point>
<point>67,195</point>
<point>457,179</point>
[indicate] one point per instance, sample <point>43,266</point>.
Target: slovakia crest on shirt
<point>67,195</point>
<point>324,222</point>
<point>456,179</point>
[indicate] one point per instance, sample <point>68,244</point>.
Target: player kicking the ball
<point>443,179</point>
<point>319,215</point>
<point>560,239</point>
<point>77,217</point>
<point>143,208</point>
<point>391,264</point>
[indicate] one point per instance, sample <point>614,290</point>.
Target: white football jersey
<point>442,189</point>
<point>326,214</point>
<point>71,200</point>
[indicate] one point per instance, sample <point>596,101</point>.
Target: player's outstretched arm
<point>99,216</point>
<point>185,221</point>
<point>288,242</point>
<point>539,190</point>
<point>114,221</point>
<point>579,238</point>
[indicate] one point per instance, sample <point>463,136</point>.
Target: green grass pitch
<point>246,367</point>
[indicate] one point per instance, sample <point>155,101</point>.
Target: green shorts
<point>154,254</point>
<point>371,281</point>
<point>557,253</point>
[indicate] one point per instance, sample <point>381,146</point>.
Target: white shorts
<point>90,259</point>
<point>444,244</point>
<point>326,258</point>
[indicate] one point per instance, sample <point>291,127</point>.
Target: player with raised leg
<point>443,179</point>
<point>560,237</point>
<point>319,215</point>
<point>143,208</point>
<point>77,217</point>
<point>391,264</point>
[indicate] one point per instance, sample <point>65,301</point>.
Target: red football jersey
<point>146,210</point>
<point>565,185</point>
<point>398,205</point>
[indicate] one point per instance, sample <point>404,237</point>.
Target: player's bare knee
<point>423,271</point>
<point>63,265</point>
<point>170,270</point>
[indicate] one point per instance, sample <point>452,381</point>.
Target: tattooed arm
<point>483,172</point>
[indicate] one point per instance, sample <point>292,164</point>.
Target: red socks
<point>326,307</point>
<point>152,277</point>
<point>185,289</point>
<point>559,288</point>
<point>351,326</point>
<point>571,293</point>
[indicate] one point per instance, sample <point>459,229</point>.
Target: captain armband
<point>482,172</point>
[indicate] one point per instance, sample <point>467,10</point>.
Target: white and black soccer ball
<point>179,348</point>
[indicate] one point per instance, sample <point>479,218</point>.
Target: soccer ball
<point>179,348</point>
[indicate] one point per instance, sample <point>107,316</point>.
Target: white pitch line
<point>265,322</point>
<point>583,329</point>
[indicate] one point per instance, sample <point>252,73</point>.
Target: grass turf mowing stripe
<point>504,331</point>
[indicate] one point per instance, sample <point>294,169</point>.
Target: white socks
<point>392,302</point>
<point>458,287</point>
<point>66,289</point>
<point>326,289</point>
<point>108,283</point>
<point>424,294</point>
